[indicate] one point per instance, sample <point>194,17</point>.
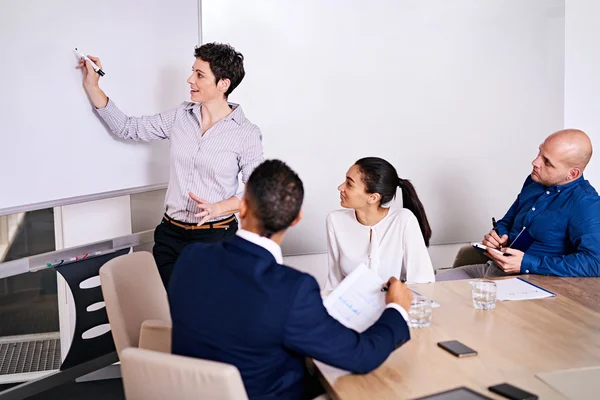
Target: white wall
<point>582,74</point>
<point>457,95</point>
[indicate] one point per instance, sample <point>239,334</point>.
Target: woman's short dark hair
<point>275,194</point>
<point>225,63</point>
<point>379,176</point>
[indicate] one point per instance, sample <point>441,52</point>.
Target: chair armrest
<point>156,335</point>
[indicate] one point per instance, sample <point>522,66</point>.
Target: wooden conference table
<point>515,341</point>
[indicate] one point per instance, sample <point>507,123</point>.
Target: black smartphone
<point>511,392</point>
<point>457,348</point>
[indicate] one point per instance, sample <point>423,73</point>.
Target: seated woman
<point>390,242</point>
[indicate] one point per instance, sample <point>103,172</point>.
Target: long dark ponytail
<point>411,201</point>
<point>379,176</point>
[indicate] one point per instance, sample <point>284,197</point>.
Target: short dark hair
<point>379,176</point>
<point>275,194</point>
<point>225,63</point>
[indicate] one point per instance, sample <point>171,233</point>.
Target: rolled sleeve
<point>251,156</point>
<point>112,115</point>
<point>144,128</point>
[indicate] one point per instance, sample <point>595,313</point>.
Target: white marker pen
<point>86,58</point>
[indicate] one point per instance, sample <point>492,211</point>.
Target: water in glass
<point>484,294</point>
<point>419,315</point>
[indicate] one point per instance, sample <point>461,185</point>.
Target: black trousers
<point>312,385</point>
<point>170,240</point>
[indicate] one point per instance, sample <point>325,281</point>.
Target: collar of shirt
<point>237,115</point>
<point>382,222</point>
<point>566,186</point>
<point>263,242</point>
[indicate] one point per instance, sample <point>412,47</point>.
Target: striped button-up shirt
<point>207,165</point>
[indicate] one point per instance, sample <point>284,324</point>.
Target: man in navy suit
<point>234,302</point>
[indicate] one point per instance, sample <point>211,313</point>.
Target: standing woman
<point>212,142</point>
<point>390,242</point>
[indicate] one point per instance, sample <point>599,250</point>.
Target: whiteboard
<point>457,95</point>
<point>52,143</point>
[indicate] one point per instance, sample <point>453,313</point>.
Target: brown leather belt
<point>223,224</point>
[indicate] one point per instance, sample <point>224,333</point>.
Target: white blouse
<point>392,247</point>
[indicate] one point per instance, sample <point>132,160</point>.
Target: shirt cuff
<point>400,309</point>
<point>529,264</point>
<point>108,108</point>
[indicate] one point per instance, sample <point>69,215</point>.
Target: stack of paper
<point>519,289</point>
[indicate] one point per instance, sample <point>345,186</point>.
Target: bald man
<point>553,228</point>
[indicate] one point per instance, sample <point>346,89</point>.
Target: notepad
<point>520,289</point>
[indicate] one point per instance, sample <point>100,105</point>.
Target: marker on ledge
<point>86,58</point>
<point>69,260</point>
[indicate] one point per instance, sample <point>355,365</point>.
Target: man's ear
<point>243,207</point>
<point>297,219</point>
<point>574,173</point>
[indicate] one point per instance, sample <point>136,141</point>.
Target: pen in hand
<point>386,287</point>
<point>495,229</point>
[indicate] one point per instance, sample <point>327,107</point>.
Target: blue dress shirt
<point>564,222</point>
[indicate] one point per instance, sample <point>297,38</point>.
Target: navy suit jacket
<point>231,302</point>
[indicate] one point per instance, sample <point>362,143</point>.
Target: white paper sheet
<point>358,301</point>
<point>518,289</point>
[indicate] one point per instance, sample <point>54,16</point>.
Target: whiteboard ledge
<point>80,199</point>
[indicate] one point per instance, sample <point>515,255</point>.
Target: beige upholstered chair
<point>155,335</point>
<point>467,255</point>
<point>151,375</point>
<point>133,293</point>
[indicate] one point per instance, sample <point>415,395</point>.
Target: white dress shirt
<point>263,242</point>
<point>392,247</point>
<point>275,250</point>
